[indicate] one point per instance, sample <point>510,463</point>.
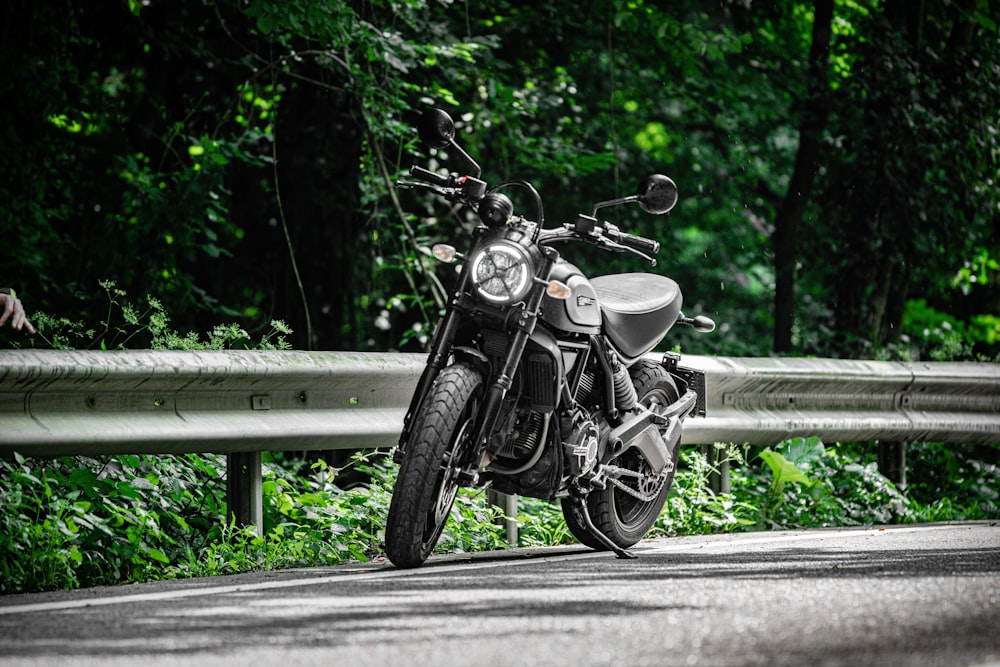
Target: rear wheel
<point>428,475</point>
<point>631,503</point>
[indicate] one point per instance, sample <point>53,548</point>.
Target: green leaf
<point>783,469</point>
<point>803,452</point>
<point>158,555</point>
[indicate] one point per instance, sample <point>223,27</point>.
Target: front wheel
<point>428,475</point>
<point>630,505</point>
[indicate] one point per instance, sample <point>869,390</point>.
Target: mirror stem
<point>454,144</point>
<point>613,202</point>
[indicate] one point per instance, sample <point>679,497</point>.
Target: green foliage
<point>943,337</point>
<point>911,129</point>
<point>804,484</point>
<point>474,525</point>
<point>37,549</point>
<point>81,521</point>
<point>810,485</point>
<point>128,323</point>
<point>540,523</point>
<point>950,482</point>
<point>693,508</point>
<point>236,160</point>
<point>308,520</point>
<point>84,521</point>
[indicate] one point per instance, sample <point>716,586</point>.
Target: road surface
<point>908,595</point>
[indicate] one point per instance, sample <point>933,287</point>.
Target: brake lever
<point>607,243</point>
<point>448,193</point>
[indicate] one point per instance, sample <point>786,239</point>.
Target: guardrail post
<point>244,493</point>
<point>718,479</point>
<point>508,504</point>
<point>892,462</point>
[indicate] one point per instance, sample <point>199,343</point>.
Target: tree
<point>907,196</point>
<point>814,111</point>
<point>236,160</point>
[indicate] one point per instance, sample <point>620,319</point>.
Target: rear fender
<point>688,379</point>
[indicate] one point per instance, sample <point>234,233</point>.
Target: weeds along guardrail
<point>241,403</point>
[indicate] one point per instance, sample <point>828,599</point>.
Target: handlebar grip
<point>639,243</point>
<point>429,176</point>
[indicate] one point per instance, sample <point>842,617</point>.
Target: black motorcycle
<point>538,381</point>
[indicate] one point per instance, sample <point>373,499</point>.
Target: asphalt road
<point>912,595</point>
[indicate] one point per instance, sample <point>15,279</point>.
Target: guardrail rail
<point>241,403</point>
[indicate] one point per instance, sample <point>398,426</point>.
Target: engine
<point>581,445</point>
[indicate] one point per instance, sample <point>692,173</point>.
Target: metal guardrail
<point>55,403</point>
<point>764,401</point>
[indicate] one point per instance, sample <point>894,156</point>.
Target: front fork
<point>503,378</point>
<point>436,360</point>
<point>490,412</point>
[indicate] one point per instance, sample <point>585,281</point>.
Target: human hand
<point>11,309</point>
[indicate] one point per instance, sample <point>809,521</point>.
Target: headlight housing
<point>502,272</point>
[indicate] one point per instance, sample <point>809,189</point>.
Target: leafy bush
<point>144,323</point>
<point>693,508</point>
<point>82,521</point>
<point>806,484</point>
<point>950,482</point>
<point>72,522</point>
<point>540,523</point>
<point>37,532</point>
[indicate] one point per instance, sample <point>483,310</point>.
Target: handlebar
<point>632,241</point>
<point>428,176</point>
<point>464,189</point>
<point>471,190</point>
<point>606,236</point>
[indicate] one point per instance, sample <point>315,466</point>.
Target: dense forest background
<point>233,161</point>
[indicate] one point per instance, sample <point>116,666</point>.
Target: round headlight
<point>502,272</point>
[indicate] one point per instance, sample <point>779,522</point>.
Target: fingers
<point>22,321</point>
<point>13,310</point>
<point>7,302</point>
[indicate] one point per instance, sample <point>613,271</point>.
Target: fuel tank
<point>580,313</point>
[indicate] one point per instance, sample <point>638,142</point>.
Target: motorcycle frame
<point>464,306</point>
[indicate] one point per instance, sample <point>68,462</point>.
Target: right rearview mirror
<point>657,194</point>
<point>436,128</point>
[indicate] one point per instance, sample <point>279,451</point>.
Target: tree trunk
<point>800,187</point>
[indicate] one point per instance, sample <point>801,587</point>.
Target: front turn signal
<point>444,252</point>
<point>558,290</point>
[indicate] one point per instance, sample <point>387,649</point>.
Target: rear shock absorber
<point>625,396</point>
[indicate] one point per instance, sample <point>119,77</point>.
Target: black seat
<point>638,309</point>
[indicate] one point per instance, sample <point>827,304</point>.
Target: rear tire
<point>619,515</point>
<point>427,483</point>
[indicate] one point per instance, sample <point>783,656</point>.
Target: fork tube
<point>505,377</point>
<point>438,356</point>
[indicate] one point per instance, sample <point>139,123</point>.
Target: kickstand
<point>598,535</point>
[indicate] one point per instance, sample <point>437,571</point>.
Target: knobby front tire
<point>428,475</point>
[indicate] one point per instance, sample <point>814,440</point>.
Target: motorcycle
<point>538,380</point>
